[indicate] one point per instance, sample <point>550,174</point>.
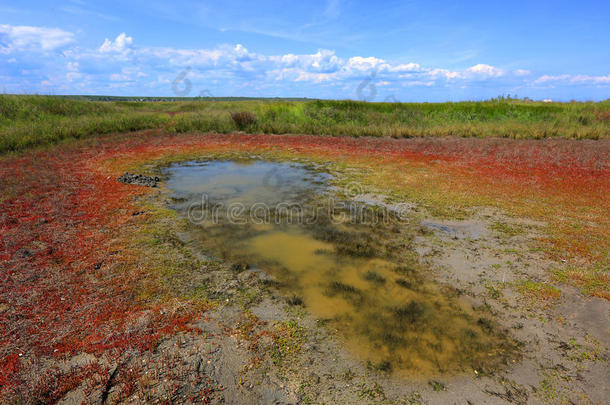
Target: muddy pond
<point>352,266</point>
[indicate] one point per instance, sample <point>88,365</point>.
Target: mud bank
<point>275,348</point>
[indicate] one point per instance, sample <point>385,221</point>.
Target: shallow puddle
<point>360,277</point>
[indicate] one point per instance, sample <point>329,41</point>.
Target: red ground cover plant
<point>68,285</point>
<point>561,181</point>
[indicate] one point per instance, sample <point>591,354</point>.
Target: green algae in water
<point>362,278</point>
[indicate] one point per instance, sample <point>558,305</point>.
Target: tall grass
<point>27,121</point>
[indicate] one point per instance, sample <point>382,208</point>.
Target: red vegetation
<point>65,285</point>
<point>68,286</point>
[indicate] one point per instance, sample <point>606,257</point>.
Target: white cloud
<point>325,66</point>
<point>573,79</point>
<point>122,44</point>
<point>241,52</point>
<point>119,62</point>
<point>361,64</point>
<point>546,78</point>
<point>323,61</point>
<point>482,70</point>
<point>443,73</point>
<point>414,83</point>
<point>405,68</point>
<point>313,77</point>
<point>591,79</point>
<point>24,37</point>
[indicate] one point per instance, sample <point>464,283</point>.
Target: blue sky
<point>389,50</point>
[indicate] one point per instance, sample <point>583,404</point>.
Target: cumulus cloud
<point>326,66</point>
<point>121,44</point>
<point>361,64</point>
<point>120,63</point>
<point>22,37</point>
<point>483,70</point>
<point>323,61</point>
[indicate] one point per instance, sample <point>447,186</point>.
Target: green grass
<point>507,229</point>
<point>27,121</point>
<point>593,280</point>
<point>288,341</point>
<point>539,290</point>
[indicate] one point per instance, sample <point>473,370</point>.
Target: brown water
<point>362,279</point>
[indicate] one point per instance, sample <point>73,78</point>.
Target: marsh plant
<point>27,121</point>
<point>243,119</point>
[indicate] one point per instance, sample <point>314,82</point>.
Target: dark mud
<point>139,179</point>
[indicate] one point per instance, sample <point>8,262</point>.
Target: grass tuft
<point>539,290</point>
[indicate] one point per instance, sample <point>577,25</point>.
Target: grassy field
<point>27,121</point>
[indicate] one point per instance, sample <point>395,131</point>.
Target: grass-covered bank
<point>27,121</point>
